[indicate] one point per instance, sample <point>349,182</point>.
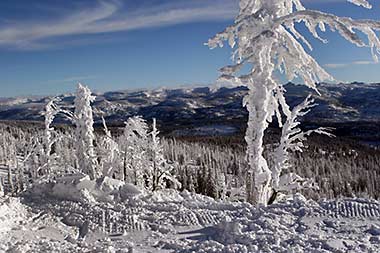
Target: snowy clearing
<point>172,221</point>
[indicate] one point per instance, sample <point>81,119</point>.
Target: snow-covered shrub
<point>265,37</point>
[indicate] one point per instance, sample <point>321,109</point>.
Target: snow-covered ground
<point>170,221</point>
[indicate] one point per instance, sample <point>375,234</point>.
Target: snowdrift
<point>79,187</point>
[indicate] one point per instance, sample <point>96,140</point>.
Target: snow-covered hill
<point>337,103</point>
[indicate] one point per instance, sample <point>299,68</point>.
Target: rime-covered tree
<point>51,111</point>
<point>109,154</point>
<point>133,145</point>
<point>65,148</point>
<point>84,132</point>
<point>292,140</point>
<point>266,38</point>
<point>8,147</point>
<point>159,171</point>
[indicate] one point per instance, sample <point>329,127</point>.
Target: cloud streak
<point>73,79</point>
<point>344,65</point>
<point>110,17</point>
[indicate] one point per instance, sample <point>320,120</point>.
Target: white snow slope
<point>169,221</point>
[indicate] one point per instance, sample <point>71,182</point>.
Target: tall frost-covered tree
<point>133,145</point>
<point>109,153</point>
<point>265,37</point>
<point>159,171</point>
<point>51,111</point>
<point>84,132</point>
<point>51,137</point>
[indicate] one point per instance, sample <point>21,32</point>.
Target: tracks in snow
<point>126,218</point>
<point>350,208</point>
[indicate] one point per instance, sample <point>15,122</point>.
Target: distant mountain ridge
<point>337,103</point>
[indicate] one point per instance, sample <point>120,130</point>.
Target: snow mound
<point>80,188</point>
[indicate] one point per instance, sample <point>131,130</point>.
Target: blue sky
<point>47,46</point>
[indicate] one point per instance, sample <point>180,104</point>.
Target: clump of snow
<point>73,187</point>
<point>12,212</point>
<point>129,191</point>
<point>79,187</point>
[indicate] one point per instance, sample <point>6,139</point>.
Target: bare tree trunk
<point>125,167</point>
<point>2,192</point>
<point>10,181</point>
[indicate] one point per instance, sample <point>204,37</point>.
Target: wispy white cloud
<point>363,62</point>
<point>336,65</point>
<point>344,65</point>
<point>109,16</point>
<point>77,79</point>
<point>73,79</point>
<point>323,1</point>
<point>112,16</point>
